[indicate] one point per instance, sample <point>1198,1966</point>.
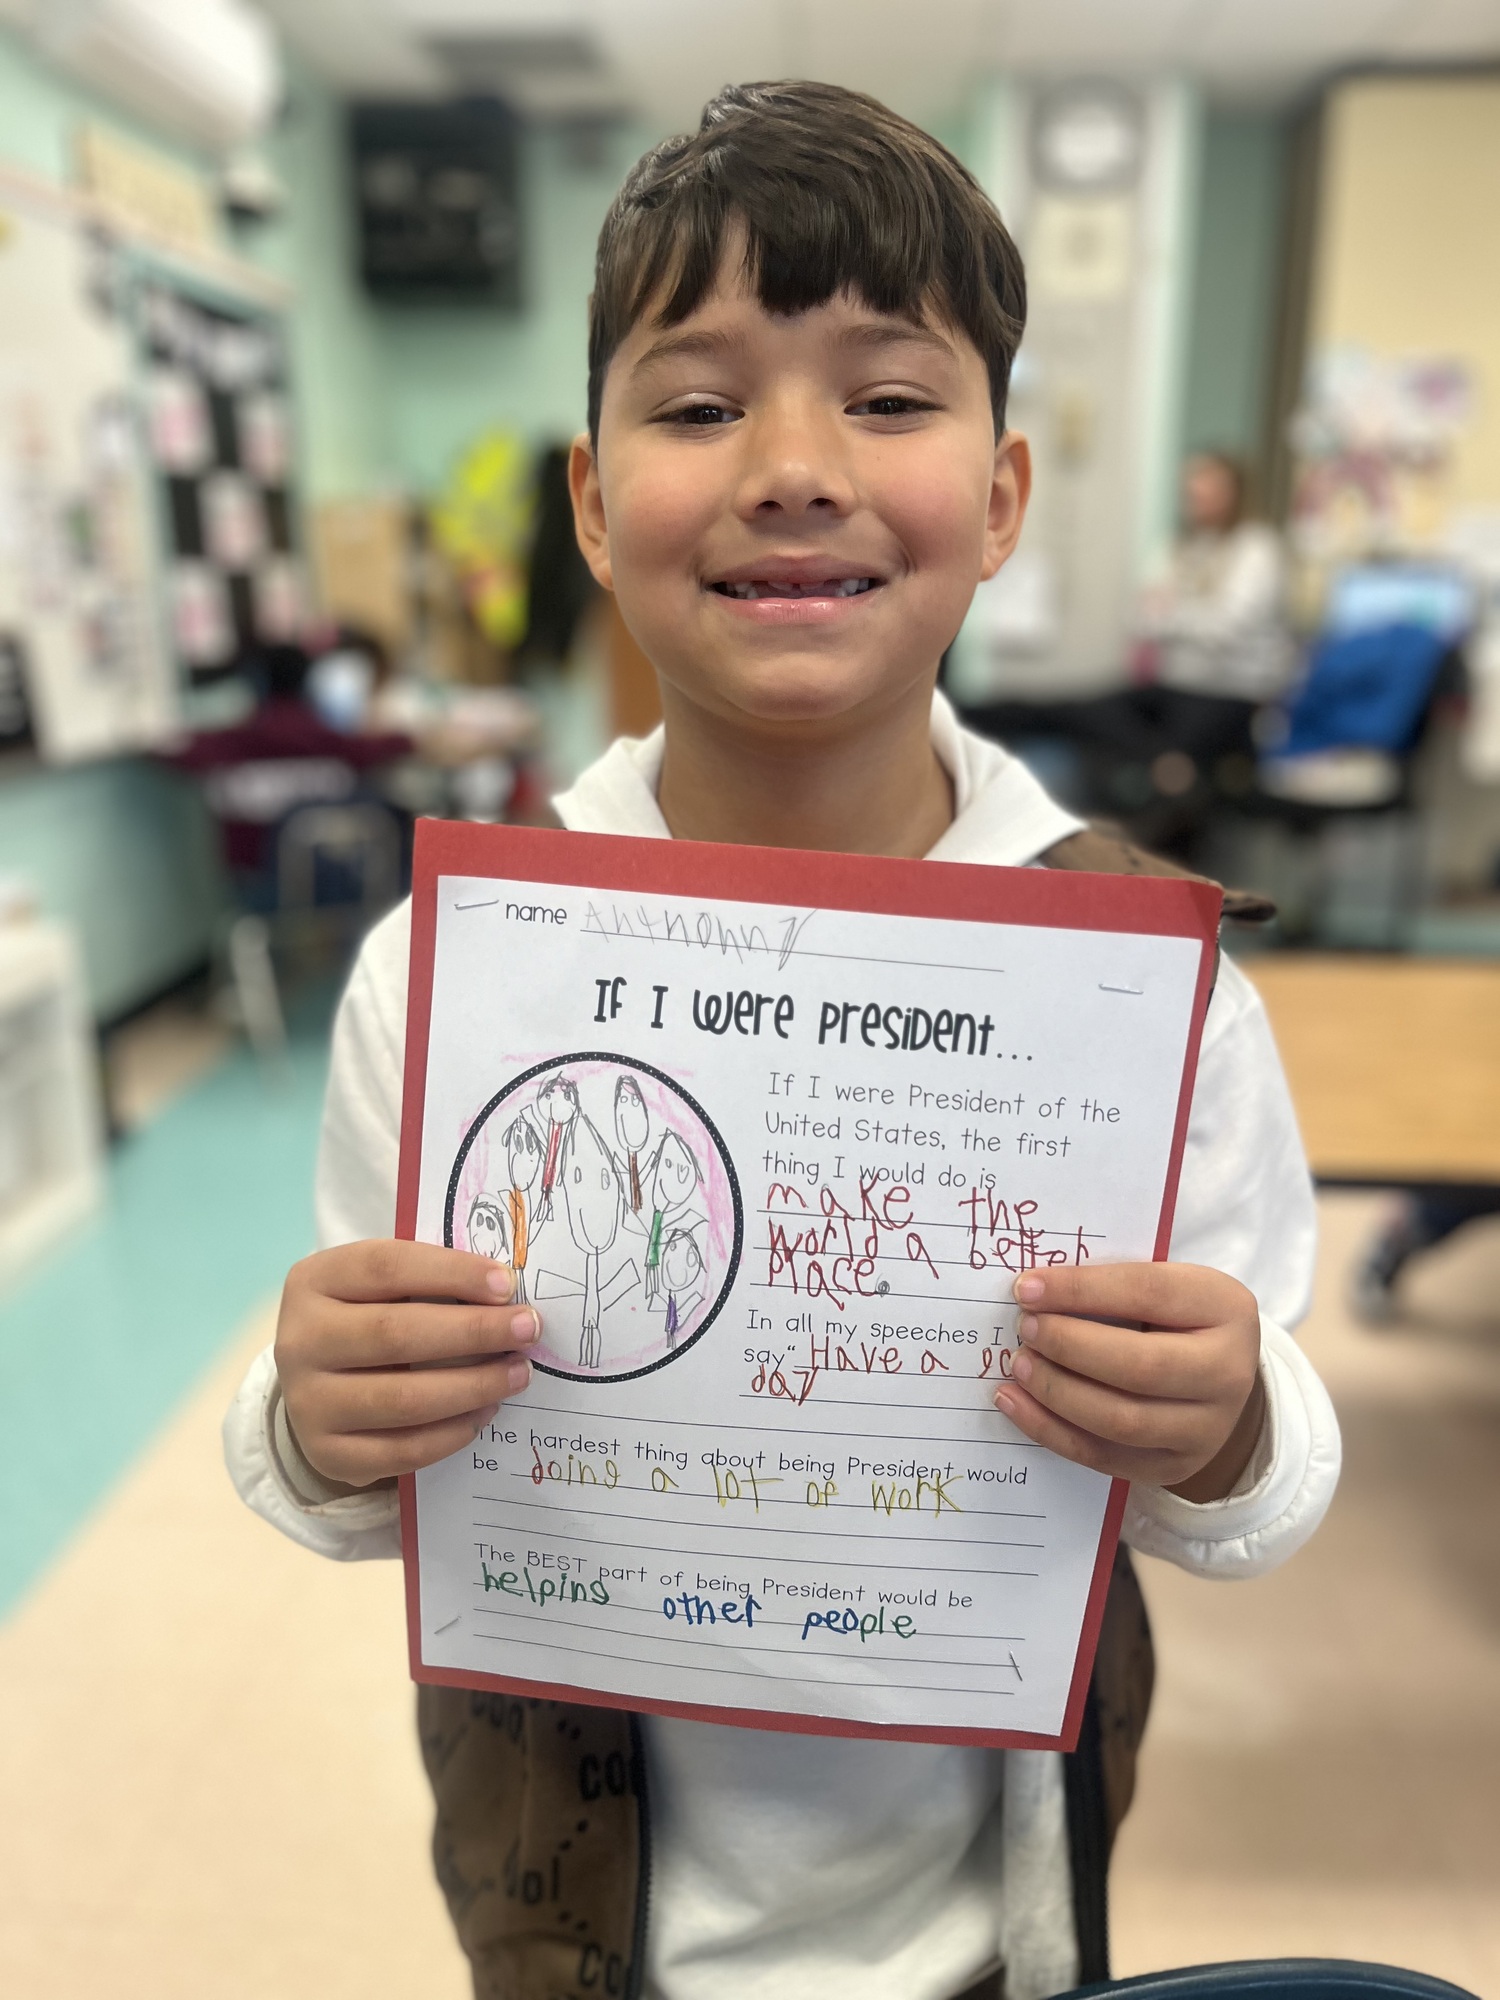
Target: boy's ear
<point>1009,494</point>
<point>588,510</point>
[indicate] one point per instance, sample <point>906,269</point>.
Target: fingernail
<point>486,1416</point>
<point>518,1375</point>
<point>1005,1403</point>
<point>1026,1329</point>
<point>501,1282</point>
<point>525,1327</point>
<point>1028,1289</point>
<point>1021,1367</point>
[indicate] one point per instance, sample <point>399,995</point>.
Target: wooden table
<point>1394,1064</point>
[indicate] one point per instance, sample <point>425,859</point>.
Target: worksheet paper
<point>768,1137</point>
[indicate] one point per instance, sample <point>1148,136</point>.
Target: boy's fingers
<point>391,1269</point>
<point>417,1398</point>
<point>418,1331</point>
<point>1179,1366</point>
<point>1045,1427</point>
<point>359,1458</point>
<point>1142,1423</point>
<point>1170,1295</point>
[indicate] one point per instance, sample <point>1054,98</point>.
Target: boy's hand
<point>392,1355</point>
<point>1179,1404</point>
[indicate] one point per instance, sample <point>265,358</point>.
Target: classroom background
<point>292,341</point>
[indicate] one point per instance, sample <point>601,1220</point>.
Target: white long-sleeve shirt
<point>863,1870</point>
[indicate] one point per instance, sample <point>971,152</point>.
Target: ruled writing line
<point>698,1424</point>
<point>735,1673</point>
<point>739,948</point>
<point>862,1403</point>
<point>822,1218</point>
<point>925,1298</point>
<point>735,1555</point>
<point>763,1500</point>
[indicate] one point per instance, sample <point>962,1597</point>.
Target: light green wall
<point>40,110</point>
<point>452,371</point>
<point>122,849</point>
<point>390,395</point>
<point>1240,219</point>
<point>342,400</point>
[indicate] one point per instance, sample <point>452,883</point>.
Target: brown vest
<point>542,1841</point>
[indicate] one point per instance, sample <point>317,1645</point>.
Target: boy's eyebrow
<point>876,333</point>
<point>703,345</point>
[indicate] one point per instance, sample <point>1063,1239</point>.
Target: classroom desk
<point>1394,1065</point>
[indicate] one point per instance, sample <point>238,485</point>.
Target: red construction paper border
<point>1054,898</point>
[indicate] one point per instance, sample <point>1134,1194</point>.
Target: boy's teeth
<point>846,586</point>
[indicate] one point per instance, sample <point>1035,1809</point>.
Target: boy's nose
<point>795,465</point>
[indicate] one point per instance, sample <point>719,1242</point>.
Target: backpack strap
<point>1099,850</point>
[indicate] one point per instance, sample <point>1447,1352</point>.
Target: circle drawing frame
<point>736,1250</point>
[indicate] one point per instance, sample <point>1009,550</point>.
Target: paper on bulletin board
<point>79,616</point>
<point>768,1136</point>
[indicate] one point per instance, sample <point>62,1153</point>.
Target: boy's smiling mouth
<point>845,586</point>
<point>796,592</point>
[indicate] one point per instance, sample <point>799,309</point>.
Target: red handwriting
<point>795,1384</point>
<point>1004,1233</point>
<point>834,1257</point>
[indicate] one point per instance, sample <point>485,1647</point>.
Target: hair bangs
<point>824,192</point>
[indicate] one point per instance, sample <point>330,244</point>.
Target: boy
<point>795,474</point>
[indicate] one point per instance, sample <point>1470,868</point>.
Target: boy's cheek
<point>656,511</point>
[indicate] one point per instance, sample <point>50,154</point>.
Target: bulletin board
<point>148,528</point>
<point>86,670</point>
<point>219,435</point>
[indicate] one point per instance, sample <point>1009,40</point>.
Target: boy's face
<point>793,512</point>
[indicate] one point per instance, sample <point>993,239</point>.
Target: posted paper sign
<point>767,1137</point>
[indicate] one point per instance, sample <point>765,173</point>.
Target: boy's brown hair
<point>834,193</point>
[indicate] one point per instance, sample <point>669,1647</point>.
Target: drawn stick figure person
<point>557,1101</point>
<point>632,1127</point>
<point>673,1180</point>
<point>682,1279</point>
<point>489,1232</point>
<point>595,1200</point>
<point>523,1150</point>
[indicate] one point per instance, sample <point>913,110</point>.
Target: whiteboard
<point>78,565</point>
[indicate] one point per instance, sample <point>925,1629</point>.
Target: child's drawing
<point>558,1105</point>
<point>632,1129</point>
<point>523,1156</point>
<point>489,1230</point>
<point>616,1205</point>
<point>682,1281</point>
<point>672,1183</point>
<point>594,1198</point>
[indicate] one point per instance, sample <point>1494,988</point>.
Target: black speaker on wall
<point>437,187</point>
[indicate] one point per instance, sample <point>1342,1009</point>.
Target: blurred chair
<point>1340,776</point>
<point>1278,1979</point>
<point>337,868</point>
<point>1366,695</point>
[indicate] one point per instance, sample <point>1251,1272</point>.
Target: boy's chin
<point>812,700</point>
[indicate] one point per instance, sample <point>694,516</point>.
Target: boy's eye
<point>701,415</point>
<point>890,406</point>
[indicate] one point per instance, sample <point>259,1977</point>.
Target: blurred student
<point>284,754</point>
<point>1214,640</point>
<point>795,474</point>
<point>347,678</point>
<point>1415,1224</point>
